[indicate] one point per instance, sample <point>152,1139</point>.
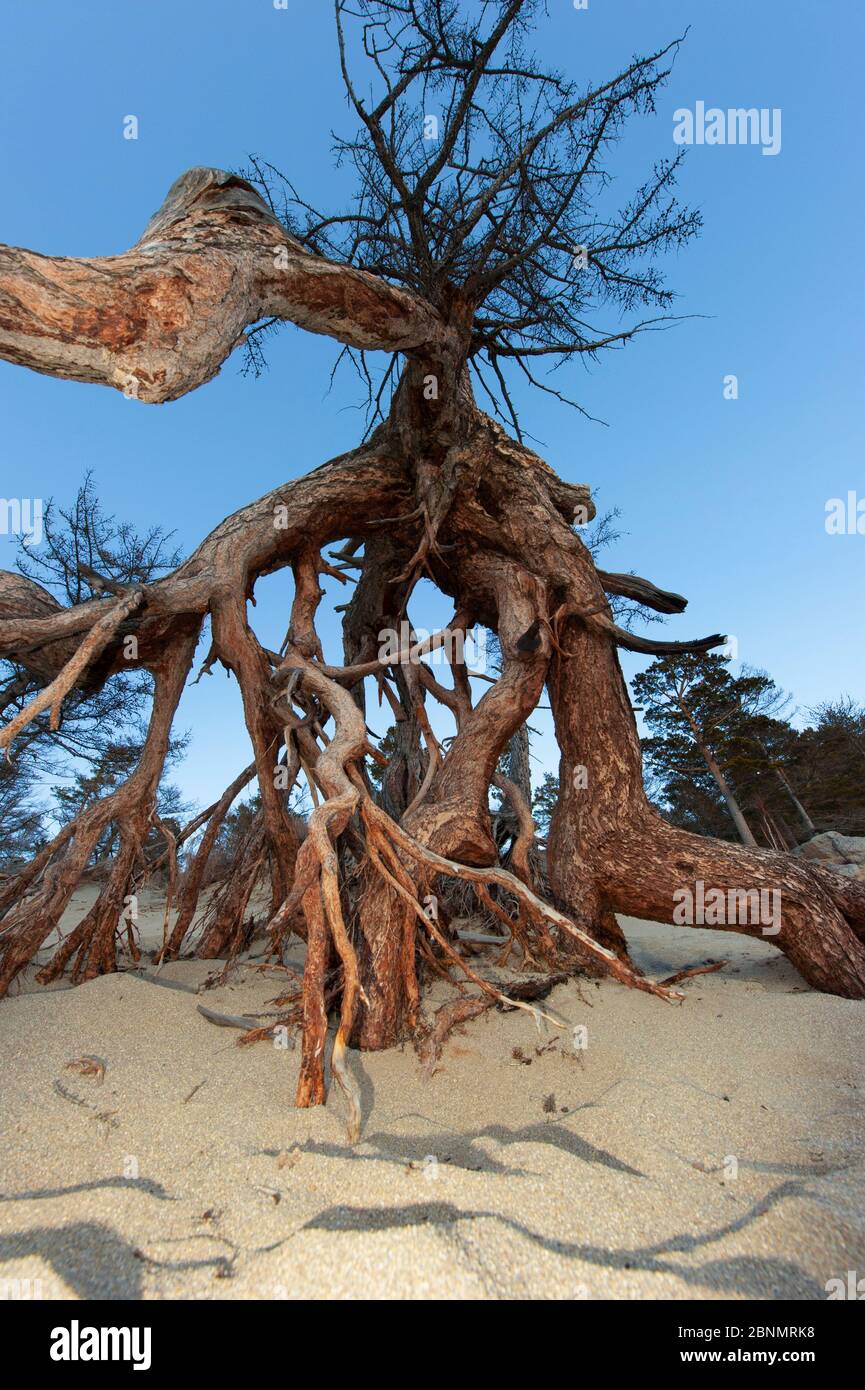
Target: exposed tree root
<point>430,1040</point>
<point>192,879</point>
<point>442,491</point>
<point>31,920</point>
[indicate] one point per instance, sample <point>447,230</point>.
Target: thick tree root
<point>192,879</point>
<point>33,918</point>
<point>605,834</point>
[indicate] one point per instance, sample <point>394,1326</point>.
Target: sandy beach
<point>712,1149</point>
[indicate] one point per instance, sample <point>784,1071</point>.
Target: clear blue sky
<point>722,500</point>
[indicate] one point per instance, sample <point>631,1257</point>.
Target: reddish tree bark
<point>440,490</point>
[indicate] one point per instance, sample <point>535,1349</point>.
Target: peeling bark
<point>159,320</point>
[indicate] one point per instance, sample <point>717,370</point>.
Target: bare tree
<point>472,259</point>
<point>22,816</point>
<point>84,554</point>
<point>691,700</point>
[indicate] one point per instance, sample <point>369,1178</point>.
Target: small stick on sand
<point>227,1020</point>
<point>695,970</point>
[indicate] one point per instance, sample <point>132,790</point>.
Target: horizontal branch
<point>344,495</point>
<point>643,591</point>
<point>632,643</point>
<point>350,675</point>
<point>599,620</point>
<point>159,320</point>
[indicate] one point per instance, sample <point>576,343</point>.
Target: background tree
<point>85,554</point>
<point>22,816</point>
<point>700,715</point>
<point>105,773</point>
<point>787,784</point>
<point>544,802</point>
<point>828,771</point>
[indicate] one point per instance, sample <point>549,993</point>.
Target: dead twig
<point>694,970</point>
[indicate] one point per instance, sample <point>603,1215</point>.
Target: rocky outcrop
<point>845,853</point>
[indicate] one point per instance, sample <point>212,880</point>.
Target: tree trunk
<point>439,491</point>
<point>805,820</point>
<point>519,763</point>
<point>609,836</point>
<point>742,826</point>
